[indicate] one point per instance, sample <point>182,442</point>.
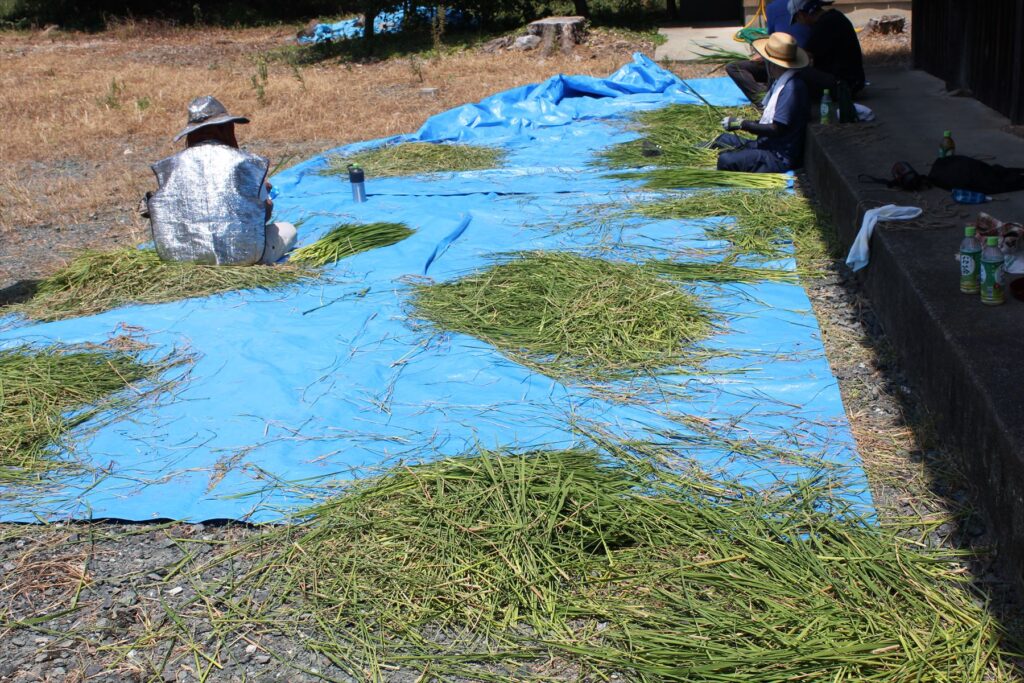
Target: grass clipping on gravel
<point>47,391</point>
<point>98,281</point>
<point>415,158</point>
<point>567,315</point>
<point>348,239</point>
<point>471,565</point>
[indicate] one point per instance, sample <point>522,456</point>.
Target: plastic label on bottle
<point>992,282</point>
<point>969,271</point>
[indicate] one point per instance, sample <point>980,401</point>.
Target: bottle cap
<point>992,241</point>
<point>969,231</point>
<point>827,91</point>
<point>947,133</point>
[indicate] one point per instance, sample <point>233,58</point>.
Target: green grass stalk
<point>96,281</point>
<point>348,239</point>
<point>415,158</point>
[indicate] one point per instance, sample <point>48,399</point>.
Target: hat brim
<point>215,121</point>
<point>800,62</point>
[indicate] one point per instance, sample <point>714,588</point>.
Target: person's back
<point>835,48</point>
<point>210,207</point>
<point>779,20</point>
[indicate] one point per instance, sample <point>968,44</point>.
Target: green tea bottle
<point>970,262</point>
<point>992,273</point>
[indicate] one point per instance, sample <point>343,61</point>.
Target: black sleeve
<point>769,130</point>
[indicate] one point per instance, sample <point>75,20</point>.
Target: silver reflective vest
<point>210,207</point>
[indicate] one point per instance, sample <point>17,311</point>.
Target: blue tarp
<point>291,389</point>
<point>385,22</point>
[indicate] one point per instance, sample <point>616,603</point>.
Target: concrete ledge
<point>962,357</point>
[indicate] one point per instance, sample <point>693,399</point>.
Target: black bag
<point>966,173</point>
<point>906,178</point>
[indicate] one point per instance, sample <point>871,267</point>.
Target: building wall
<point>976,47</point>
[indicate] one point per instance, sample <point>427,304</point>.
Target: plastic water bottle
<point>970,262</point>
<point>992,273</point>
<point>358,180</point>
<point>826,107</point>
<point>969,197</point>
<point>947,147</point>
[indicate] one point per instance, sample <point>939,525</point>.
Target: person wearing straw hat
<point>213,202</point>
<point>751,76</point>
<point>780,131</point>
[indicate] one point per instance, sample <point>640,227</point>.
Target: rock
<point>498,44</point>
<point>262,659</point>
<point>887,24</point>
<point>175,590</point>
<point>526,43</point>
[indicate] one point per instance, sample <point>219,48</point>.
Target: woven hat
<point>207,111</point>
<point>781,48</point>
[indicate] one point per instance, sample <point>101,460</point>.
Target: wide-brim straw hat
<point>207,111</point>
<point>781,48</point>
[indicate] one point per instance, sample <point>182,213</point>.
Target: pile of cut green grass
<point>348,239</point>
<point>684,177</point>
<point>679,132</point>
<point>415,158</point>
<point>98,281</point>
<point>764,221</point>
<point>721,272</point>
<point>535,566</point>
<point>47,391</point>
<point>567,315</point>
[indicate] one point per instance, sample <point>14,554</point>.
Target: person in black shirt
<point>833,46</point>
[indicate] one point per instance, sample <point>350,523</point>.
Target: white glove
<point>731,123</point>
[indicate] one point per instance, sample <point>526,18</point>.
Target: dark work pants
<point>751,77</point>
<point>739,154</point>
<point>818,81</point>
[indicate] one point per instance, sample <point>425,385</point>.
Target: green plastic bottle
<point>947,147</point>
<point>992,292</point>
<point>970,262</point>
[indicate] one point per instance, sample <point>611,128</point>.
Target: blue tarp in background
<point>385,22</point>
<point>296,387</point>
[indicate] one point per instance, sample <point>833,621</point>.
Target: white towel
<point>858,257</point>
<point>772,98</point>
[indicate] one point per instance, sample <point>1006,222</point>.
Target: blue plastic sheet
<point>385,22</point>
<point>296,388</point>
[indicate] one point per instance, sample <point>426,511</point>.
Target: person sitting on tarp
<point>836,57</point>
<point>213,202</point>
<point>780,131</point>
<point>751,76</point>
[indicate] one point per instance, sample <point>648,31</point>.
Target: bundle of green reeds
<point>47,391</point>
<point>96,281</point>
<point>679,133</point>
<point>687,177</point>
<point>566,315</point>
<point>348,239</point>
<point>713,54</point>
<point>722,272</point>
<point>481,567</point>
<point>414,158</point>
<point>764,221</point>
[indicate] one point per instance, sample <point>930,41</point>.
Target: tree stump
<point>566,31</point>
<point>887,24</point>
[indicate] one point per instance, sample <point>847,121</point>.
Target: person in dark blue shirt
<point>779,145</point>
<point>751,76</point>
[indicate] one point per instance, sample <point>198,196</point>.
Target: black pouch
<point>967,173</point>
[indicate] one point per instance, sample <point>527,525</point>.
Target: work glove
<point>731,123</point>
